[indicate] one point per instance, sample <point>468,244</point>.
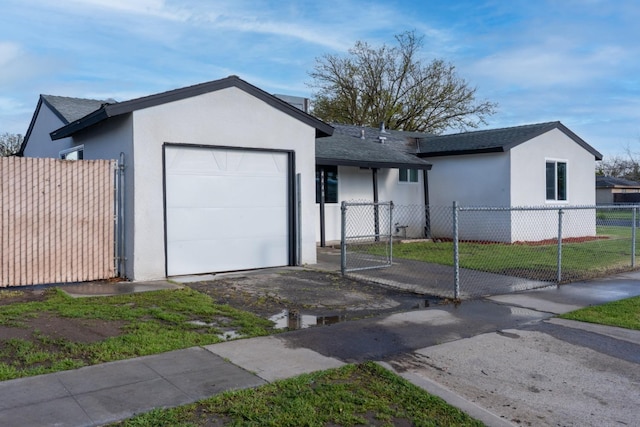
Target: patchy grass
<point>624,314</point>
<point>364,394</point>
<point>58,332</point>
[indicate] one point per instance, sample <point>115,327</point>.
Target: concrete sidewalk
<point>490,338</point>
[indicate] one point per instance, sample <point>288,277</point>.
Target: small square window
<point>408,175</point>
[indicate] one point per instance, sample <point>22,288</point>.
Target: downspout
<point>322,224</point>
<point>427,216</point>
<point>376,214</point>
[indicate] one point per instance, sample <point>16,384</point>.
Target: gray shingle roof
<point>611,182</point>
<point>71,109</point>
<point>346,150</point>
<point>492,141</point>
<point>119,108</point>
<point>401,140</point>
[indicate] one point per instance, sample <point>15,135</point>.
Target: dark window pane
<point>330,184</point>
<point>551,181</point>
<point>413,175</point>
<point>403,175</point>
<point>562,181</point>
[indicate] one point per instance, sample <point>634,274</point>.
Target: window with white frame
<point>408,175</point>
<point>556,177</point>
<point>75,153</point>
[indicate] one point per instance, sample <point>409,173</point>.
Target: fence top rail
<point>367,203</point>
<point>545,208</point>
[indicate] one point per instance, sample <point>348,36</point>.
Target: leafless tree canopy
<point>625,166</point>
<point>391,84</point>
<point>10,143</point>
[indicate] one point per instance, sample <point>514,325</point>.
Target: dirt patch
<point>309,291</point>
<point>69,329</point>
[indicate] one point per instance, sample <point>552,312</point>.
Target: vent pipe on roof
<point>382,131</point>
<point>362,134</point>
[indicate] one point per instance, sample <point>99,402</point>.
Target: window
<point>408,175</point>
<point>556,180</point>
<point>330,184</point>
<point>75,153</point>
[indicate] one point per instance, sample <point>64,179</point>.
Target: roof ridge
<point>530,125</point>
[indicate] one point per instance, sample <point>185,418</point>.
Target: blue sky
<point>577,61</point>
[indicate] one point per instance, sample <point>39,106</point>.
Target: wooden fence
<point>57,221</point>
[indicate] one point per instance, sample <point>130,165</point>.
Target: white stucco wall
<point>528,188</point>
<point>40,143</point>
<point>228,117</point>
<point>471,180</point>
<point>355,184</point>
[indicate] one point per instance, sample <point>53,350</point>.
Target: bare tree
<point>391,84</point>
<point>10,143</point>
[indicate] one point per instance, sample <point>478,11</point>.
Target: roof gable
<point>493,140</point>
<point>115,109</point>
<point>66,109</point>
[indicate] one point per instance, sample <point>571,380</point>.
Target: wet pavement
<point>505,360</point>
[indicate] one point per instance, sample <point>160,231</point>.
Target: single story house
<point>610,190</point>
<point>543,164</point>
<point>218,176</point>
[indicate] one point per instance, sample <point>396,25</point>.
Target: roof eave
<point>461,152</point>
<point>324,161</point>
<point>86,121</point>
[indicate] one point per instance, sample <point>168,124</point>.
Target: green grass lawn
<point>624,314</point>
<point>612,252</point>
<point>354,395</point>
<point>143,323</point>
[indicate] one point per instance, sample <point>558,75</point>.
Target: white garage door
<point>226,209</point>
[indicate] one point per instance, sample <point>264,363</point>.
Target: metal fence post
<point>391,233</point>
<point>560,213</point>
<point>633,238</point>
<point>343,240</point>
<point>456,254</point>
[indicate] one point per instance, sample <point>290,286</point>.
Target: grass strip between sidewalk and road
<point>624,314</point>
<point>363,394</point>
<point>58,332</point>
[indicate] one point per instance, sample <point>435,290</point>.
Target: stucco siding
<point>228,117</point>
<point>528,164</point>
<point>471,180</point>
<point>106,141</point>
<point>355,184</point>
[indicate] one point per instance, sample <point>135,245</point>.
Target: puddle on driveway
<point>293,319</point>
<point>226,335</point>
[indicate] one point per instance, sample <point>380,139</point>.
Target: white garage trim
<point>227,208</point>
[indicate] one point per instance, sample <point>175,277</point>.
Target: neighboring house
<point>542,164</point>
<point>212,174</point>
<point>54,112</point>
<point>610,190</point>
<point>366,164</point>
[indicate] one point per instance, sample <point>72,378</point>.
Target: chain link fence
<point>465,252</point>
<point>366,236</point>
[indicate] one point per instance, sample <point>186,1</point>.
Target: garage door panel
<point>226,209</point>
<point>233,255</point>
<point>224,221</point>
<point>201,191</point>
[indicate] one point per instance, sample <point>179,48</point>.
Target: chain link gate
<point>366,235</point>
